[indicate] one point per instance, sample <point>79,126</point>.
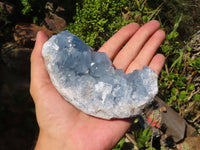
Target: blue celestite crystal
<point>87,79</point>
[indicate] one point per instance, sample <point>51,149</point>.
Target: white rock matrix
<point>87,79</point>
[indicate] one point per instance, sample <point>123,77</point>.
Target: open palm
<point>62,126</point>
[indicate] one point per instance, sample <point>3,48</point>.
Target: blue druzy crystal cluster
<point>88,81</point>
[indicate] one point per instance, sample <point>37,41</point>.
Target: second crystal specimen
<point>87,79</point>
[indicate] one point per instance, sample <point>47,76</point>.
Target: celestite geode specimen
<point>87,79</point>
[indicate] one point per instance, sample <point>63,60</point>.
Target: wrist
<point>46,141</point>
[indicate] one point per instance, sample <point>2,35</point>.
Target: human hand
<point>62,126</point>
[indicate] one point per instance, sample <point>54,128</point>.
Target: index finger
<point>115,43</point>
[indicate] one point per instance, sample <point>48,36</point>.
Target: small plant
<point>176,87</point>
<point>120,144</point>
<point>96,21</point>
<point>27,7</point>
<point>195,64</point>
<point>33,9</point>
<point>143,139</point>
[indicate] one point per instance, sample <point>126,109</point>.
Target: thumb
<point>39,74</point>
<point>41,38</point>
<point>44,94</point>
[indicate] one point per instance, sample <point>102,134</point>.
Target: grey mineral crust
<point>87,79</point>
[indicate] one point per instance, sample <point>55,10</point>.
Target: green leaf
<point>35,20</point>
<point>174,91</point>
<point>178,61</point>
<point>27,7</point>
<point>196,97</point>
<point>196,63</point>
<point>143,137</point>
<point>120,144</point>
<point>190,87</point>
<point>183,95</point>
<point>189,49</point>
<point>173,98</point>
